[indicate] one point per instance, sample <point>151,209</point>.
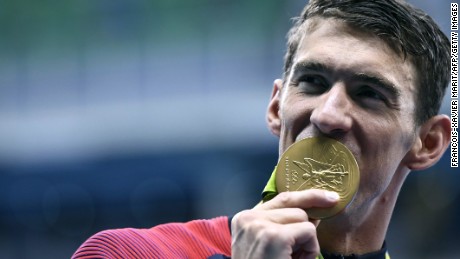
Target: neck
<point>363,230</point>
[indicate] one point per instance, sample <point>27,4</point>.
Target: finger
<point>315,221</point>
<point>301,199</point>
<point>279,216</point>
<point>304,239</point>
<point>286,241</point>
<point>286,215</point>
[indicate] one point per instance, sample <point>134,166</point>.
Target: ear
<point>431,143</point>
<point>273,118</point>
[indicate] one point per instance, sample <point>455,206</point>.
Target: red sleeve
<point>194,239</point>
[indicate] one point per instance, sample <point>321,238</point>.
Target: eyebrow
<point>302,67</point>
<point>380,82</point>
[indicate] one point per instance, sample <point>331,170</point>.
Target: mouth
<point>347,143</point>
<point>318,162</point>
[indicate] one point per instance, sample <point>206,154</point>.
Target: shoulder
<point>198,238</point>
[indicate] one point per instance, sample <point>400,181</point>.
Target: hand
<point>280,228</point>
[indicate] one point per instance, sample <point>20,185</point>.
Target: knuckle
<point>299,214</point>
<point>268,234</point>
<point>310,228</point>
<point>318,194</point>
<point>257,226</point>
<point>241,217</point>
<point>245,215</point>
<point>284,198</point>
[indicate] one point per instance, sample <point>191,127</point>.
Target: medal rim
<point>322,213</point>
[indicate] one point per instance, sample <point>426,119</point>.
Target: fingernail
<point>333,196</point>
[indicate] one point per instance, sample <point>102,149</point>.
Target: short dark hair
<point>406,29</point>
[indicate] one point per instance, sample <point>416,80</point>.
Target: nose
<point>332,115</point>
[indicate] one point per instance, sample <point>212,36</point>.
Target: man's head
<point>354,79</point>
<point>407,30</point>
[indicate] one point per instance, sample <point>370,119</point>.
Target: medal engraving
<point>319,163</point>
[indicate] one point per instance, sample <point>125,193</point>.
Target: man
<point>370,74</point>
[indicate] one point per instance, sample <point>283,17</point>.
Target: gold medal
<point>319,163</point>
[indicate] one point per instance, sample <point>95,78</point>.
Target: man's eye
<point>371,94</point>
<point>312,84</point>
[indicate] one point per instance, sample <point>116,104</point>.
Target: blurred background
<point>133,113</point>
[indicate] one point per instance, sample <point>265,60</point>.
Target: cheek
<point>382,158</point>
<point>295,117</point>
<point>286,134</point>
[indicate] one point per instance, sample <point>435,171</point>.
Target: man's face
<point>351,86</point>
